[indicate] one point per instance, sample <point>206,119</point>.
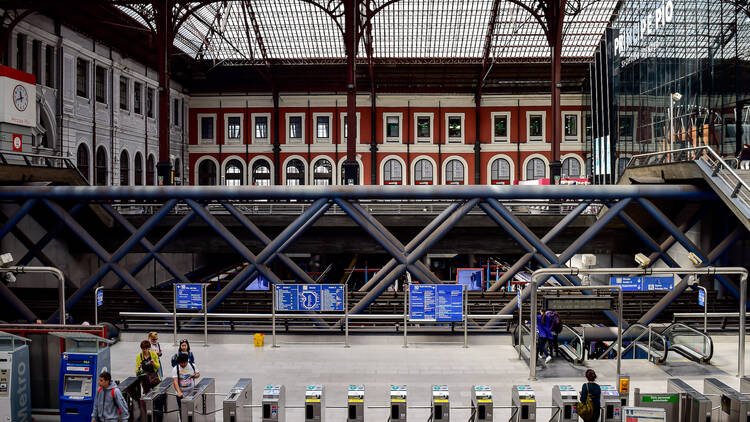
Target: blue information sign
<point>701,298</point>
<point>189,296</point>
<point>628,284</point>
<point>471,278</point>
<point>658,283</point>
<point>99,298</point>
<point>646,284</point>
<point>436,302</point>
<point>310,297</point>
<point>260,283</point>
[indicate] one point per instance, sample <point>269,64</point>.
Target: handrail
<point>704,357</point>
<point>68,163</point>
<point>709,315</point>
<point>578,357</point>
<point>636,340</point>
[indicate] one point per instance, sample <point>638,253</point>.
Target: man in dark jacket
<point>109,404</point>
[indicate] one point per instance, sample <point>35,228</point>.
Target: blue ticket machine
<point>85,357</point>
<point>15,391</point>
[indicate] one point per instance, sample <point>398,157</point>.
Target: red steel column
<point>555,42</point>
<point>351,169</point>
<point>164,39</point>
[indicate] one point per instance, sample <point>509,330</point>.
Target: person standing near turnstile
<point>184,376</point>
<point>109,404</point>
<point>590,391</point>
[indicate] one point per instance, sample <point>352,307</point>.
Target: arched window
<point>207,173</point>
<point>295,173</point>
<point>177,172</point>
<point>323,172</point>
<point>150,171</point>
<point>500,172</point>
<point>82,160</point>
<point>101,167</point>
<point>454,173</point>
<point>233,173</point>
<point>343,176</point>
<point>535,169</point>
<point>261,173</point>
<point>392,172</point>
<point>138,169</point>
<point>423,172</point>
<point>571,168</point>
<point>124,168</point>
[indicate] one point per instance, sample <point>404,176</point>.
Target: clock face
<point>20,98</point>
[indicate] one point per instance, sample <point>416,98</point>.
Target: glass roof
<point>445,31</point>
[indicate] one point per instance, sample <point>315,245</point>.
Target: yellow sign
<point>528,400</point>
<point>440,401</point>
<point>312,400</point>
<point>398,401</point>
<point>484,401</point>
<point>624,385</point>
<point>356,401</point>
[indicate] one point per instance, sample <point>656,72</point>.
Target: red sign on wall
<point>17,143</point>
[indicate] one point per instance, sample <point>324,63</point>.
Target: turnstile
<point>314,404</point>
<point>441,407</point>
<point>161,403</point>
<point>200,404</point>
<point>733,406</point>
<point>15,378</point>
<point>564,400</point>
<point>611,404</point>
<point>236,405</point>
<point>130,388</point>
<point>355,398</point>
<point>398,403</point>
<point>694,406</point>
<point>273,404</point>
<point>745,385</point>
<point>670,402</point>
<point>523,401</point>
<point>481,403</point>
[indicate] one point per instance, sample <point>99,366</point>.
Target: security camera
<point>9,277</point>
<point>642,260</point>
<point>695,259</point>
<point>676,96</point>
<point>5,260</point>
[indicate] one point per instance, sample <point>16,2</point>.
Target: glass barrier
<point>689,342</point>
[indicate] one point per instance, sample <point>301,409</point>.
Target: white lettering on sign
<point>23,393</point>
<point>648,25</point>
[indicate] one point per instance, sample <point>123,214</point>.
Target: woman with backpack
<point>544,329</point>
<point>147,367</point>
<point>184,349</point>
<point>590,406</point>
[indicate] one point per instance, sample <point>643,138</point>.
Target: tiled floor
<point>378,361</point>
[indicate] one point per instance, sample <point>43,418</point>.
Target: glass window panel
<point>323,126</point>
<point>501,126</point>
<point>207,128</point>
<point>454,127</point>
<point>295,127</point>
<point>423,127</point>
<point>82,78</point>
<point>233,127</point>
<point>571,125</point>
<point>261,127</point>
<point>124,84</point>
<point>392,125</point>
<point>137,89</point>
<point>535,125</point>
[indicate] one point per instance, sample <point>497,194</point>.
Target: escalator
<point>571,345</point>
<point>641,343</point>
<point>689,342</point>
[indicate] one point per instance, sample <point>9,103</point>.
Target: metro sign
<point>17,142</point>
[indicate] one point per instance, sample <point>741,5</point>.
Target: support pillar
<point>555,41</point>
<point>164,37</point>
<point>350,166</point>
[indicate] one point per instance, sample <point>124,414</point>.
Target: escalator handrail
<point>654,335</point>
<point>709,340</point>
<point>580,340</point>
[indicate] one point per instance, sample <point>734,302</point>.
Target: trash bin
<point>258,339</point>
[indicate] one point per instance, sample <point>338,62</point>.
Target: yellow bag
<point>258,339</point>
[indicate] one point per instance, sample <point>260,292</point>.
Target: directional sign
<point>436,302</point>
<point>658,283</point>
<point>628,284</point>
<point>189,296</point>
<point>471,278</point>
<point>701,298</point>
<point>644,414</point>
<point>99,298</point>
<point>310,297</point>
<point>645,284</point>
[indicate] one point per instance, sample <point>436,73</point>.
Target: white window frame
<point>132,103</point>
<point>581,164</point>
<point>505,138</point>
<point>417,138</point>
<point>329,139</point>
<point>343,139</point>
<point>202,141</point>
<point>128,106</point>
<point>455,140</point>
<point>290,140</point>
<point>529,138</point>
<point>237,141</point>
<point>633,128</point>
<point>577,136</point>
<point>391,139</point>
<point>267,139</point>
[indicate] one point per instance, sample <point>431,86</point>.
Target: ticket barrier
<point>694,406</point>
<point>398,403</point>
<point>611,404</point>
<point>273,404</point>
<point>237,404</point>
<point>745,385</point>
<point>15,376</point>
<point>670,402</point>
<point>732,406</point>
<point>481,403</point>
<point>564,400</point>
<point>86,356</point>
<point>523,402</point>
<point>314,404</point>
<point>441,408</point>
<point>200,404</point>
<point>131,391</point>
<point>161,403</point>
<point>356,403</point>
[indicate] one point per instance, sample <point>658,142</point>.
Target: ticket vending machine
<point>398,403</point>
<point>15,390</point>
<point>314,404</point>
<point>441,407</point>
<point>481,403</point>
<point>732,406</point>
<point>355,398</point>
<point>611,404</point>
<point>86,356</point>
<point>564,400</point>
<point>524,404</point>
<point>273,404</point>
<point>694,406</point>
<point>236,405</point>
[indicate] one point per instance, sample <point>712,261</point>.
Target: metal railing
<point>641,337</point>
<point>38,160</point>
<point>571,343</point>
<point>718,167</point>
<point>689,342</point>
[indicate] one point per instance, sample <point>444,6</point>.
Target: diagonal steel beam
<point>48,237</point>
<point>17,217</point>
<point>658,252</point>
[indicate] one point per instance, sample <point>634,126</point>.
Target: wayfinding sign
<point>470,277</point>
<point>645,414</point>
<point>628,284</point>
<point>189,296</point>
<point>436,302</point>
<point>701,298</point>
<point>645,284</point>
<point>99,298</point>
<point>309,297</point>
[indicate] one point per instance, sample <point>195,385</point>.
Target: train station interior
<point>374,210</point>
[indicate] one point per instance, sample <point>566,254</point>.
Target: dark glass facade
<point>669,75</point>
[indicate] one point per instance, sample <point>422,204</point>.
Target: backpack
<point>586,410</point>
<point>119,411</point>
<point>557,325</point>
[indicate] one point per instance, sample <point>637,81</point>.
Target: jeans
<point>543,345</point>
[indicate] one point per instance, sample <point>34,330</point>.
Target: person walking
<point>184,376</point>
<point>153,338</point>
<point>109,404</point>
<point>147,367</point>
<point>590,406</point>
<point>184,349</point>
<point>544,328</point>
<point>557,327</point>
<point>744,157</point>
